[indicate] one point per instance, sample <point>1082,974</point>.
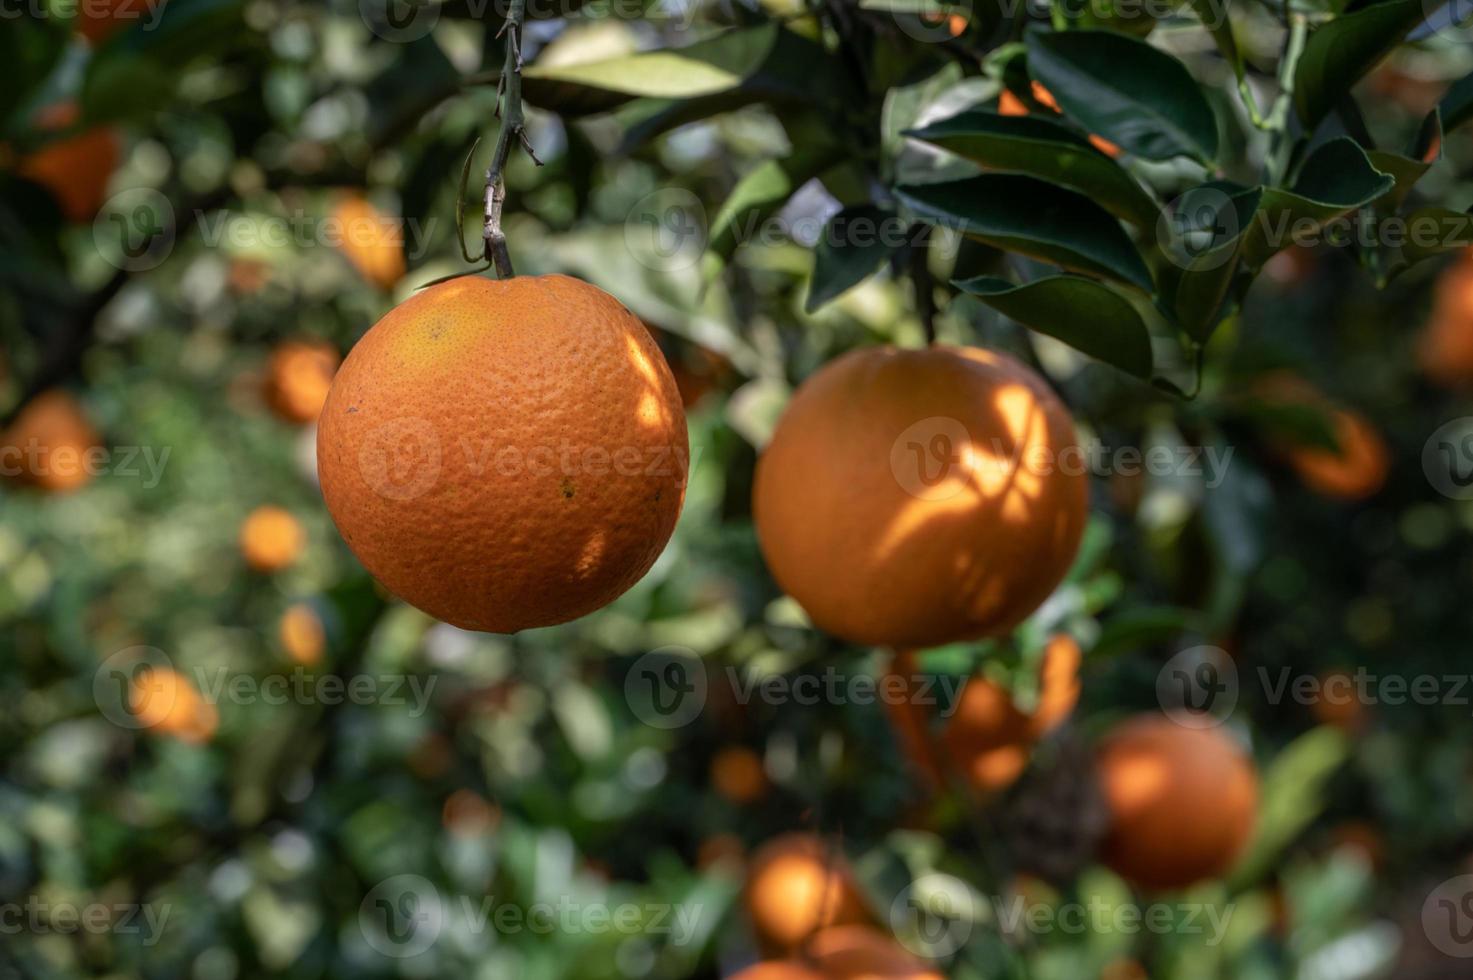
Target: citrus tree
<point>773,489</point>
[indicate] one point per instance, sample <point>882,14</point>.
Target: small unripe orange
<point>271,539</point>
<point>798,884</point>
<point>1182,801</point>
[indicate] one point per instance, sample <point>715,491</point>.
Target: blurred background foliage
<point>514,767</point>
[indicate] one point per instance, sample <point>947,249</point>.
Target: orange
<point>1058,685</point>
<point>987,738</point>
<point>298,379</point>
<point>1445,349</point>
<point>271,539</point>
<point>777,970</point>
<point>1124,968</point>
<point>910,718</point>
<point>911,498</point>
<point>1358,465</point>
<point>50,445</point>
<point>469,814</point>
<point>723,850</point>
<point>796,885</point>
<point>166,701</point>
<point>75,168</point>
<point>862,953</point>
<point>1009,104</point>
<point>301,635</point>
<point>737,775</point>
<point>505,454</point>
<point>1339,703</point>
<point>372,242</point>
<point>98,19</point>
<point>1182,801</point>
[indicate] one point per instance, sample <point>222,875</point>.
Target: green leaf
<point>759,194</point>
<point>30,46</point>
<point>1434,231</point>
<point>1082,313</point>
<point>1456,106</point>
<point>1047,150</point>
<point>855,242</point>
<point>1336,180</point>
<point>1407,170</point>
<point>1034,218</point>
<point>1341,52</point>
<point>1292,795</point>
<point>753,63</point>
<point>1202,252</point>
<point>1134,95</point>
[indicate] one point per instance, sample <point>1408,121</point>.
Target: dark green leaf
<point>1341,52</point>
<point>1202,248</point>
<point>1034,218</point>
<point>855,242</point>
<point>744,64</point>
<point>1044,149</point>
<point>1336,180</point>
<point>1457,105</point>
<point>1082,313</point>
<point>1134,95</point>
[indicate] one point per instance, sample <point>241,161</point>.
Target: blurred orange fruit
<point>1058,684</point>
<point>855,952</point>
<point>777,970</point>
<point>505,454</point>
<point>720,849</point>
<point>910,718</point>
<point>1339,702</point>
<point>1182,801</point>
<point>271,539</point>
<point>1445,348</point>
<point>1363,839</point>
<point>469,814</point>
<point>301,634</point>
<point>737,775</point>
<point>99,19</point>
<point>1356,468</point>
<point>987,739</point>
<point>798,884</point>
<point>1124,968</point>
<point>75,168</point>
<point>956,24</point>
<point>49,444</point>
<point>371,241</point>
<point>1009,104</point>
<point>166,701</point>
<point>911,498</point>
<point>299,377</point>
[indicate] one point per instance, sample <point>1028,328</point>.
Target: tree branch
<point>513,132</point>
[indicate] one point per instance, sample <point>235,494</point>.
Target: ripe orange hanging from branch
<point>74,168</point>
<point>911,498</point>
<point>505,454</point>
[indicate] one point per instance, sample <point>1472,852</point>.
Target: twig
<point>513,132</point>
